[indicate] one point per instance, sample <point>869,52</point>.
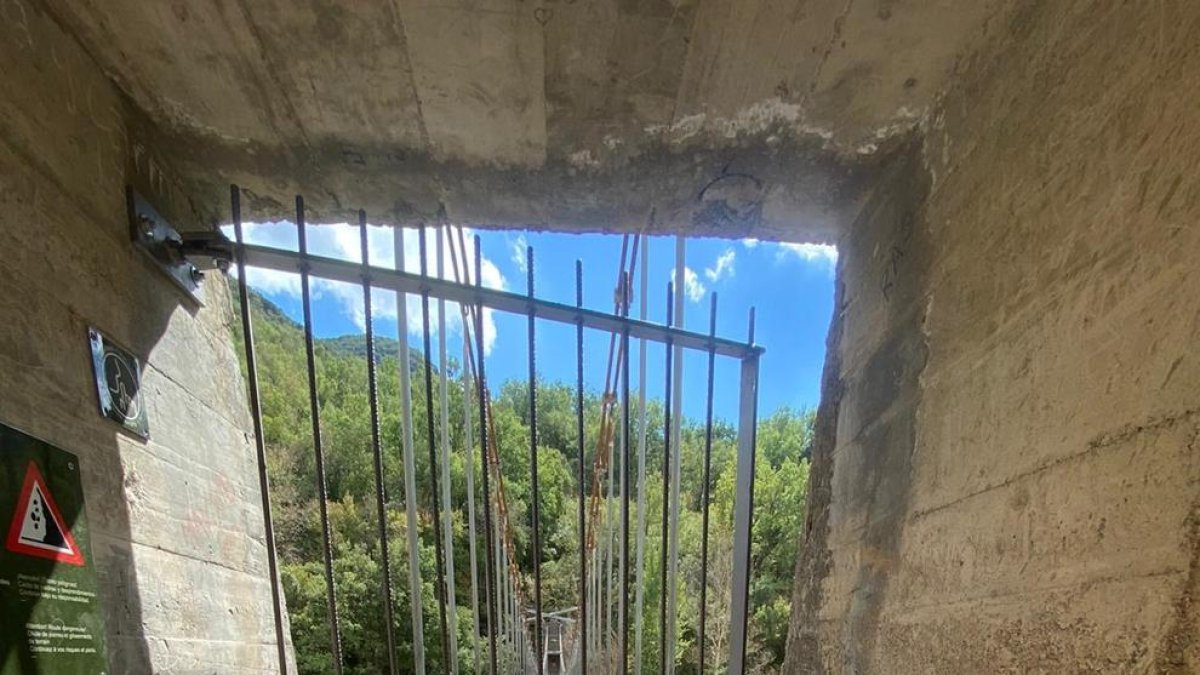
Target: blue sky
<point>791,286</point>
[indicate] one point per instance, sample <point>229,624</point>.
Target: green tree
<point>780,489</point>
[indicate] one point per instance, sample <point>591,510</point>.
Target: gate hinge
<point>183,257</point>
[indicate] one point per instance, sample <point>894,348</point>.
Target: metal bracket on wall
<point>183,257</point>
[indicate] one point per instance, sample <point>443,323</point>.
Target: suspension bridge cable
<point>469,456</point>
<point>468,376</point>
<point>512,602</point>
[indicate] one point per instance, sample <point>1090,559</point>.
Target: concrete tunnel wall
<point>1006,473</point>
<point>176,521</point>
<point>1007,464</point>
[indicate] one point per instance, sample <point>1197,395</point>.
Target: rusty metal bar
<point>707,486</point>
<point>377,449</point>
<point>260,448</point>
<point>533,469</point>
<point>491,582</point>
<point>335,633</point>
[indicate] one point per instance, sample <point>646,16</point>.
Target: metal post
<point>410,470</point>
<point>606,617</point>
<point>260,449</point>
<point>481,390</point>
<point>625,483</point>
<point>447,503</point>
<point>377,450</point>
<point>433,462</point>
<point>707,486</point>
<point>676,453</point>
<point>743,509</point>
<point>663,649</point>
<point>335,635</point>
<point>583,575</point>
<point>640,573</point>
<point>533,457</point>
<point>468,444</point>
<point>469,456</point>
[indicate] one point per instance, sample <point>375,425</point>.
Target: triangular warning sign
<point>38,528</point>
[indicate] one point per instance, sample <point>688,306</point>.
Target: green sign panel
<point>51,622</point>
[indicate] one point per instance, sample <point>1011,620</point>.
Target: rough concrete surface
<point>176,521</point>
<point>564,114</point>
<point>1013,484</point>
<point>1006,472</point>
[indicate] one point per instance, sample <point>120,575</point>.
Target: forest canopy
<point>781,485</point>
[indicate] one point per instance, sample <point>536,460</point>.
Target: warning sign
<point>37,526</point>
<point>51,622</point>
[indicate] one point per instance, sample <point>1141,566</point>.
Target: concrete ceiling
<point>726,117</point>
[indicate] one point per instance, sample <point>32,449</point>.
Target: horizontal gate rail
<point>516,303</point>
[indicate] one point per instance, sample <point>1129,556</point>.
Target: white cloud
<point>691,284</point>
<point>722,268</point>
<point>817,254</point>
<point>518,253</point>
<point>343,242</point>
<point>749,242</point>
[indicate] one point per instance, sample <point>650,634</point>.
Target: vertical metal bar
<point>335,633</point>
<point>260,448</point>
<point>533,456</point>
<point>481,387</point>
<point>469,456</point>
<point>595,578</point>
<point>433,462</point>
<point>377,450</point>
<point>666,492</point>
<point>504,619</point>
<point>626,476</point>
<point>707,485</point>
<point>676,454</point>
<point>503,615</point>
<point>467,369</point>
<point>410,471</point>
<point>583,576</point>
<point>607,554</point>
<point>743,509</point>
<point>640,570</point>
<point>447,503</point>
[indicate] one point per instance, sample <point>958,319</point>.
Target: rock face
<point>1007,474</point>
<point>1007,466</point>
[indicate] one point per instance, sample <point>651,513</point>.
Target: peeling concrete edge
<point>1180,647</point>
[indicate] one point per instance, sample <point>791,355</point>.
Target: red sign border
<point>14,544</point>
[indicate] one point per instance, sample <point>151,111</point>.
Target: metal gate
<point>598,639</point>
